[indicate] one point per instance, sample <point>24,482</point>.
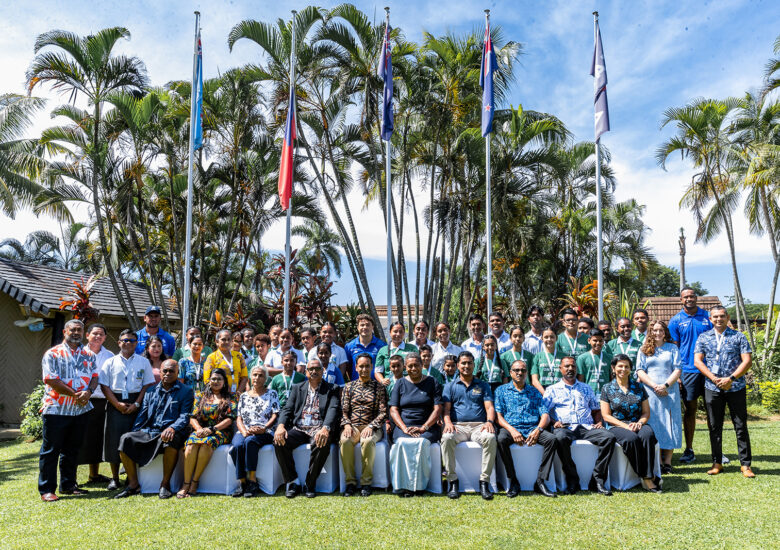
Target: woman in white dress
<point>658,368</point>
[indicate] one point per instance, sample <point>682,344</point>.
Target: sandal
<point>184,491</point>
<point>193,490</point>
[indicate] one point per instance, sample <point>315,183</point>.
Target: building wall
<point>20,359</point>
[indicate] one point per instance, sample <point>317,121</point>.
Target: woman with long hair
<point>659,368</point>
<point>155,354</point>
<point>213,414</point>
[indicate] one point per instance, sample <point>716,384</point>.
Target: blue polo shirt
<point>685,330</point>
<point>355,349</point>
<point>169,343</point>
<point>468,402</point>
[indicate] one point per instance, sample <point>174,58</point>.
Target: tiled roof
<point>42,287</point>
<point>664,308</point>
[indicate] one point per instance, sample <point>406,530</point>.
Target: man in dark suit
<point>311,416</point>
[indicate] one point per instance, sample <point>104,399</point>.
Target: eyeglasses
<point>313,369</point>
<point>128,341</point>
<point>518,371</point>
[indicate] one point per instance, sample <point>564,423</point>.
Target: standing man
<point>641,318</point>
<point>570,342</point>
<point>71,378</point>
<point>685,328</point>
<point>496,323</point>
<point>364,342</point>
<point>311,415</point>
<point>477,331</point>
<point>364,411</point>
<point>533,338</point>
<point>152,328</point>
<point>593,366</point>
<point>577,415</point>
<point>606,328</point>
<point>468,416</point>
<point>585,325</point>
<point>523,418</point>
<point>124,379</point>
<point>625,343</point>
<point>723,356</point>
<point>162,426</point>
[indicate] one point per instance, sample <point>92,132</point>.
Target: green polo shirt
<point>491,371</point>
<point>547,366</point>
<point>282,384</point>
<point>630,348</point>
<point>565,346</point>
<point>510,356</point>
<point>595,369</point>
<point>382,363</point>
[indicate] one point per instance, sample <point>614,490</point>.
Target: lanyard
<point>550,363</point>
<point>572,343</point>
<point>626,344</point>
<point>719,339</point>
<point>286,385</point>
<point>597,366</point>
<point>394,351</point>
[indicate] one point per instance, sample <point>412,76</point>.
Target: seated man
<point>162,426</point>
<point>577,415</point>
<point>364,410</point>
<point>468,416</point>
<point>523,417</point>
<point>310,415</point>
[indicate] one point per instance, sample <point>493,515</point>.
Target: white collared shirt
<point>440,352</point>
<point>474,347</point>
<point>100,358</point>
<point>129,375</point>
<point>504,342</point>
<point>533,343</point>
<point>274,358</point>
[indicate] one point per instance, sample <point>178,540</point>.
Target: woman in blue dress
<point>658,368</point>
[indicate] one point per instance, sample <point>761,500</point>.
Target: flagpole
<point>289,206</point>
<point>488,220</point>
<point>599,257</point>
<point>389,214</point>
<point>185,313</point>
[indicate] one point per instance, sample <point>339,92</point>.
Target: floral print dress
<point>208,418</point>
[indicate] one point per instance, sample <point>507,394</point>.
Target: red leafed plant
<point>79,303</point>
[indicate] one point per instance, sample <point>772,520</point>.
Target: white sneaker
<point>724,460</point>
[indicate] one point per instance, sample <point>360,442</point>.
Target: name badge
<point>477,391</point>
<point>307,420</point>
<point>233,388</point>
<point>125,395</point>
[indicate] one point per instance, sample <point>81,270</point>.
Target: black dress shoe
<point>453,491</point>
<point>598,487</point>
<point>239,492</point>
<point>128,492</point>
<point>541,488</point>
<point>484,490</point>
<point>350,490</point>
<point>252,489</point>
<point>113,485</point>
<point>75,491</point>
<point>292,490</point>
<point>514,489</point>
<point>98,480</point>
<point>406,493</point>
<point>365,491</point>
<point>309,492</point>
<point>165,493</point>
<point>572,487</point>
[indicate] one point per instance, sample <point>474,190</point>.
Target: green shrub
<point>32,423</point>
<point>770,395</point>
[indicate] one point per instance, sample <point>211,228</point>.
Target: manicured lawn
<point>695,511</point>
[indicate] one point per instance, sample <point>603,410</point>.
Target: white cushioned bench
<point>527,461</point>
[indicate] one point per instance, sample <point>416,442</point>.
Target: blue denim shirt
<point>165,409</point>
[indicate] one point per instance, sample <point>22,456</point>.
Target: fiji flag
<point>598,70</point>
<point>486,71</point>
<point>385,71</point>
<point>197,139</point>
<point>286,168</point>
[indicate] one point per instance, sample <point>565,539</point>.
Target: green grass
<point>695,511</point>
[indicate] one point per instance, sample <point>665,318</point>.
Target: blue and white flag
<point>486,70</point>
<point>197,140</point>
<point>385,71</point>
<point>598,70</point>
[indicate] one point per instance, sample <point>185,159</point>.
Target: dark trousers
<point>546,440</point>
<point>245,451</point>
<point>716,402</point>
<point>62,439</point>
<point>601,438</point>
<point>284,454</point>
<point>639,448</point>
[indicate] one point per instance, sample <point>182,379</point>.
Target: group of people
<point>549,386</point>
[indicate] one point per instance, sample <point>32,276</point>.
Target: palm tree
<point>86,65</point>
<point>703,137</point>
<point>322,246</point>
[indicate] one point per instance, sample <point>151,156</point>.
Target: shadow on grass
<point>18,466</point>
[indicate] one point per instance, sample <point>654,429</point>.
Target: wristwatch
<point>666,385</point>
<point>732,378</point>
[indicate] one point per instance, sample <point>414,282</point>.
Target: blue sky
<point>658,54</point>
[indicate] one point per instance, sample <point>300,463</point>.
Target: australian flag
<point>486,71</point>
<point>197,139</point>
<point>385,71</point>
<point>286,168</point>
<point>598,70</point>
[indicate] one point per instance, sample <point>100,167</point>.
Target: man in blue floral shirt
<point>723,356</point>
<point>523,418</point>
